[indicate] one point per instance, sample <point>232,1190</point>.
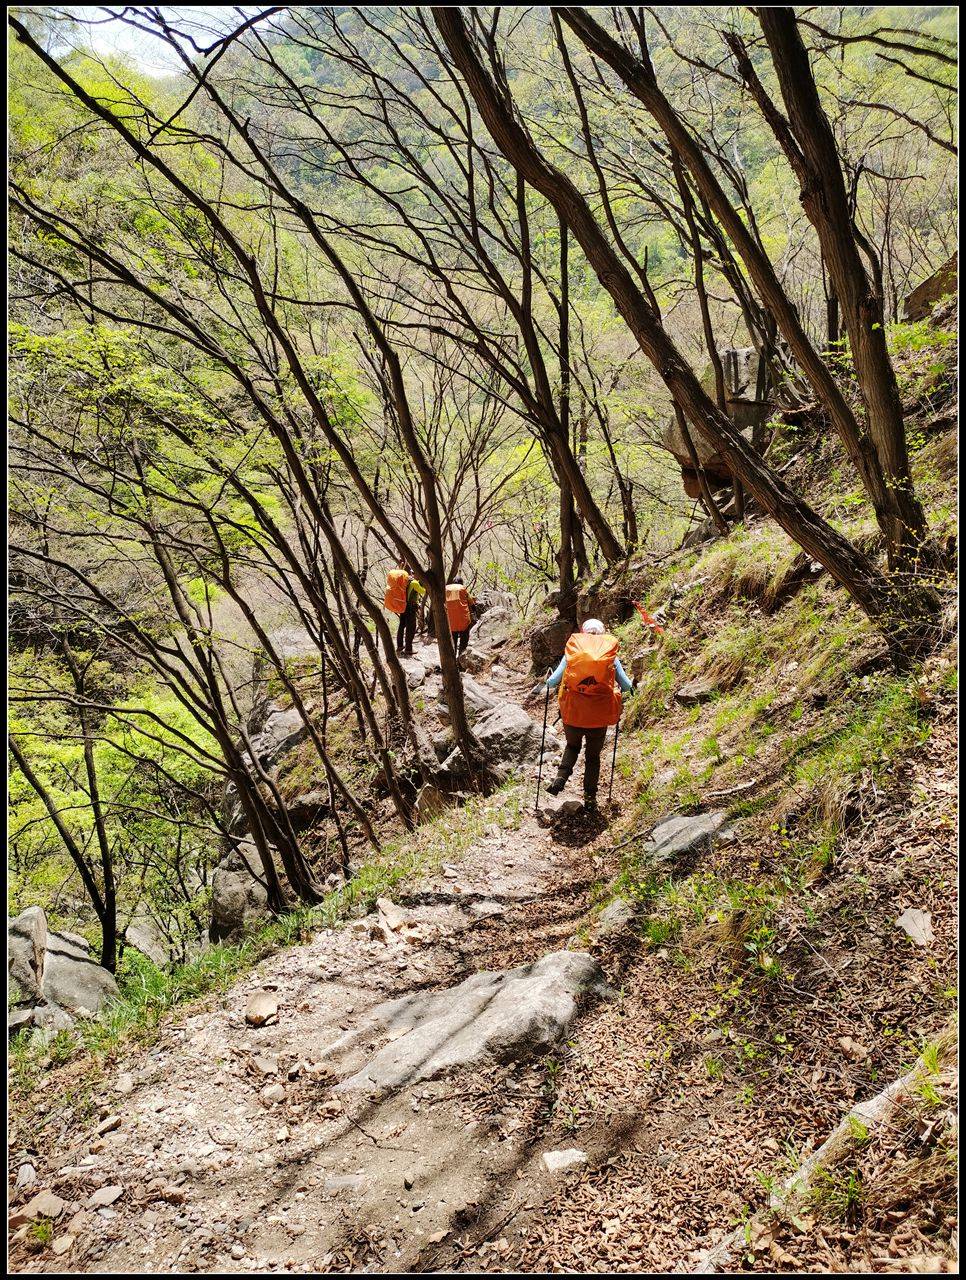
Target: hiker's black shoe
<point>591,808</point>
<point>556,786</point>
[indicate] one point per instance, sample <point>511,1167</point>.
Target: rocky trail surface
<point>486,1074</point>
<point>356,1100</point>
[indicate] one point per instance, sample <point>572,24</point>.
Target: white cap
<point>593,627</point>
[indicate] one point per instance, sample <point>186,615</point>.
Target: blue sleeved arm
<point>621,674</point>
<point>557,676</point>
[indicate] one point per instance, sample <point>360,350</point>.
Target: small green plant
<point>552,1067</point>
<point>570,1118</point>
<point>767,1182</point>
<point>859,1130</point>
<point>714,1066</point>
<point>839,1194</point>
<point>42,1231</point>
<point>659,930</point>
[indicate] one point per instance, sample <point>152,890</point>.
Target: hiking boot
<point>591,807</point>
<point>556,786</point>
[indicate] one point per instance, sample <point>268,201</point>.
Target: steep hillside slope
<point>710,1030</point>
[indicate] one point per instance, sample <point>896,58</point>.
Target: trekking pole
<point>543,739</point>
<point>613,762</point>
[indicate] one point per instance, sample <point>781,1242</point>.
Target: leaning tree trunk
<point>638,75</point>
<point>826,203</point>
<point>902,616</point>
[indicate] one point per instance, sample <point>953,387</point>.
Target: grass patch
<point>888,720</point>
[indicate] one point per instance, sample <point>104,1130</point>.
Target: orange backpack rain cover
<point>588,695</point>
<point>396,586</point>
<point>457,607</point>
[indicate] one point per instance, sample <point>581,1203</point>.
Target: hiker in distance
<point>458,601</point>
<point>589,702</point>
<point>403,593</point>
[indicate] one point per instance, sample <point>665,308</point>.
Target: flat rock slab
<point>503,1017</point>
<point>569,1158</point>
<point>917,925</point>
<point>680,836</point>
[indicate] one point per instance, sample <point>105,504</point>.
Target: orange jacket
<point>397,586</point>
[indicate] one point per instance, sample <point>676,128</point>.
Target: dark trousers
<point>460,640</point>
<point>406,631</point>
<point>593,744</point>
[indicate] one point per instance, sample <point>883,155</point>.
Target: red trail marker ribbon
<point>647,619</point>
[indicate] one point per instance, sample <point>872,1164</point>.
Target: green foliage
<point>146,749</point>
<point>838,1194</point>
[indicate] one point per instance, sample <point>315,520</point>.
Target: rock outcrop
<point>749,406</point>
<point>509,738</point>
<point>53,976</point>
<point>477,700</point>
<point>237,892</point>
<point>283,728</point>
<point>920,302</point>
<point>491,1017</point>
<point>547,643</point>
<point>494,626</point>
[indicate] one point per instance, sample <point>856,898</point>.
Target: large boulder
<point>26,947</point>
<point>238,892</point>
<point>507,734</point>
<point>677,838</point>
<point>509,739</point>
<point>472,660</point>
<point>307,808</point>
<point>73,980</point>
<point>53,976</point>
<point>477,700</point>
<point>494,626</point>
<point>143,936</point>
<point>283,728</point>
<point>547,643</point>
<point>501,1017</point>
<point>922,299</point>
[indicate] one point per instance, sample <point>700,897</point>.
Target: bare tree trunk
<point>814,155</point>
<point>638,75</point>
<point>902,616</point>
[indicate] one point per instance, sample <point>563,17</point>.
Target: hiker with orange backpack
<point>403,593</point>
<point>589,702</point>
<point>458,601</point>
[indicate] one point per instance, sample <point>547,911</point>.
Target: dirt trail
<point>675,1100</point>
<point>232,1151</point>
